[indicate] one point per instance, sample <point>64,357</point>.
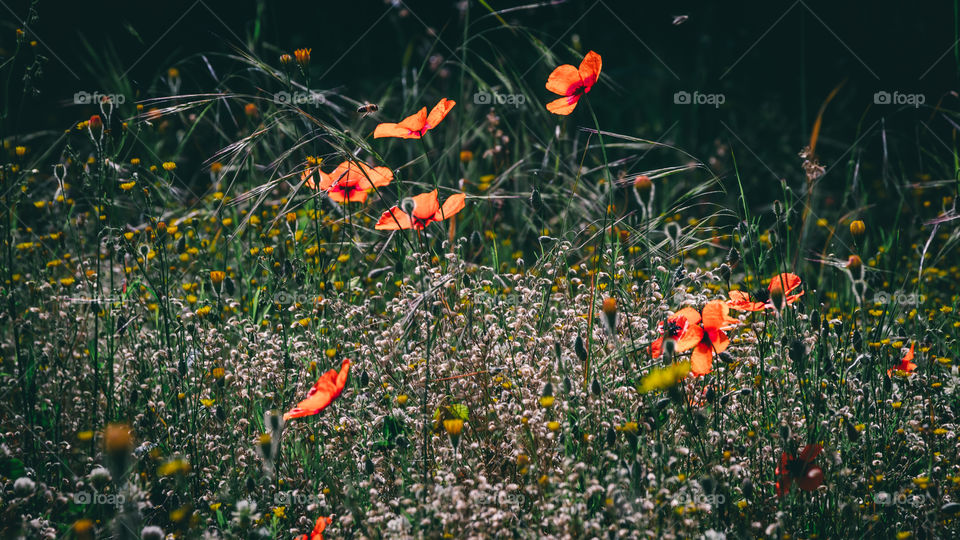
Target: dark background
<point>775,62</point>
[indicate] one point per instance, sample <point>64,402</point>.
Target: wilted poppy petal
<point>590,70</point>
<point>563,79</point>
<point>451,206</point>
<point>564,105</point>
<point>327,388</point>
<point>701,361</point>
<point>393,219</point>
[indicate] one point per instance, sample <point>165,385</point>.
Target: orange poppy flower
<point>327,388</point>
<point>349,182</point>
<point>426,209</point>
<point>414,127</point>
<point>317,532</point>
<point>684,327</point>
<point>713,341</point>
<point>761,299</point>
<point>906,365</point>
<point>572,83</point>
<point>801,468</point>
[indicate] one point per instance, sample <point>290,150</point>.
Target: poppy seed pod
<point>642,184</point>
<point>579,348</point>
<point>854,262</point>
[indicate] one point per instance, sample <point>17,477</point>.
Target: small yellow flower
<point>217,276</point>
<point>453,426</point>
<point>547,401</point>
<point>20,151</point>
<point>553,425</point>
<point>169,166</point>
<point>303,56</point>
<point>402,399</point>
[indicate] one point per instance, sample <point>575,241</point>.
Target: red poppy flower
<point>317,533</point>
<point>781,284</point>
<point>713,341</point>
<point>426,209</point>
<point>327,388</point>
<point>414,127</point>
<point>684,327</point>
<point>349,182</point>
<point>572,83</point>
<point>801,468</point>
<point>906,365</point>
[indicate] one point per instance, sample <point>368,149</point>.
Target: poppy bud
<point>669,348</point>
<point>567,386</point>
<point>725,357</point>
<point>610,311</point>
<point>611,436</point>
<point>857,341</point>
<point>580,349</point>
<point>364,378</point>
<point>857,228</point>
<point>747,488</point>
<point>724,271</point>
<point>815,320</point>
<point>368,466</point>
<point>797,351</point>
<point>536,201</point>
<point>733,257</point>
<point>595,387</point>
<point>476,240</point>
<point>229,286</point>
<point>852,432</point>
<point>784,432</point>
<point>96,122</point>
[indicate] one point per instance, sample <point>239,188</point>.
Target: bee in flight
<point>368,109</point>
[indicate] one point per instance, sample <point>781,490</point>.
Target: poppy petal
<point>701,361</point>
<point>410,127</point>
<point>564,105</point>
<point>785,282</point>
<point>741,301</point>
<point>810,452</point>
<point>439,111</point>
<point>811,479</point>
<point>715,316</point>
<point>425,205</point>
<point>690,338</point>
<point>590,70</point>
<point>451,206</point>
<point>563,79</point>
<point>656,348</point>
<point>691,315</point>
<point>327,388</point>
<point>393,219</point>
